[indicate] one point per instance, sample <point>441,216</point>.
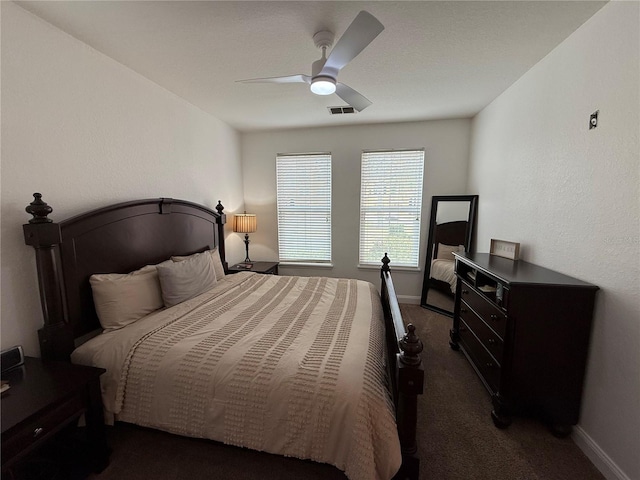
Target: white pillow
<point>185,279</point>
<point>121,299</point>
<point>215,258</point>
<point>445,252</point>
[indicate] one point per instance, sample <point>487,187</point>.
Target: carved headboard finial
<point>39,210</point>
<point>219,207</point>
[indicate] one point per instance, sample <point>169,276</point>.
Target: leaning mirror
<point>450,230</point>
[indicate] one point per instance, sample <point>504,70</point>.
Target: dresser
<point>525,330</point>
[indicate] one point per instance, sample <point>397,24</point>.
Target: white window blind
<point>391,207</point>
<point>304,207</point>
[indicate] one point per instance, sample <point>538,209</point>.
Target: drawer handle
<point>492,341</point>
<point>490,364</point>
<point>37,432</point>
<point>464,292</point>
<point>494,317</point>
<point>463,310</point>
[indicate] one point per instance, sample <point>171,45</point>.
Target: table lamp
<point>245,223</point>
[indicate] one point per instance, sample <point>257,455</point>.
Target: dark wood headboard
<point>118,238</point>
<point>450,233</point>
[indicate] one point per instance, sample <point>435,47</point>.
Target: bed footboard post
<point>407,375</point>
<point>56,338</point>
<point>410,375</point>
<point>410,385</point>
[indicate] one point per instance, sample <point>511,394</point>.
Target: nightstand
<point>43,399</point>
<point>269,268</point>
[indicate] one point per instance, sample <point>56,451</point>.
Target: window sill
<point>306,265</point>
<point>393,269</point>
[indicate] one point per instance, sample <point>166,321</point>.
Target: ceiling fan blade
<point>356,100</point>
<point>288,79</point>
<point>362,31</point>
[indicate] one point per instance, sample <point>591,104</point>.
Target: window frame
<point>288,233</point>
<point>375,205</point>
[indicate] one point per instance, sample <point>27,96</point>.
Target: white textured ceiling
<point>434,60</point>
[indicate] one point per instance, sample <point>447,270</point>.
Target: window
<point>304,207</point>
<point>391,206</point>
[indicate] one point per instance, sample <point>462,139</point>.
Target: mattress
<point>286,365</point>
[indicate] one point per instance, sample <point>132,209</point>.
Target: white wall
<point>85,132</point>
<point>446,144</point>
<point>570,196</point>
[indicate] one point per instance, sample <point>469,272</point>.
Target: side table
<point>44,397</point>
<point>269,268</point>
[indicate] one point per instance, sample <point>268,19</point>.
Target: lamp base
<point>246,243</point>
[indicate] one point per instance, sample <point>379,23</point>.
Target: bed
<point>315,368</point>
<point>448,237</point>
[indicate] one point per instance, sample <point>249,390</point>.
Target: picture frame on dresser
<point>504,249</point>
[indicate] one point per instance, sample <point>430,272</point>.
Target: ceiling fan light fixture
<point>324,71</point>
<point>323,85</point>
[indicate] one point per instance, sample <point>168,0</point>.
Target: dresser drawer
<point>486,365</point>
<point>24,437</point>
<point>491,314</point>
<point>487,337</point>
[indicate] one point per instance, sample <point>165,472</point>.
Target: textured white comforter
<point>444,270</point>
<point>286,365</point>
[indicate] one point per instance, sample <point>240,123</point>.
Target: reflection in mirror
<point>450,230</point>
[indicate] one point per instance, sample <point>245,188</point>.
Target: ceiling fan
<point>324,72</point>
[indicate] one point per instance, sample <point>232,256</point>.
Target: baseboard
<point>409,299</point>
<point>598,457</point>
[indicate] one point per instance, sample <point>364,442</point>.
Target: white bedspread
<point>286,365</point>
<point>444,270</point>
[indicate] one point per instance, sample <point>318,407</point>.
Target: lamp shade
<point>244,223</point>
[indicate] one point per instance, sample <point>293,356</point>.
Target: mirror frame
<point>468,241</point>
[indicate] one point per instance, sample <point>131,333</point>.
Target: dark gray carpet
<point>456,436</point>
<point>456,440</point>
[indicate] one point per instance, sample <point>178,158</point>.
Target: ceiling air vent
<point>340,110</point>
